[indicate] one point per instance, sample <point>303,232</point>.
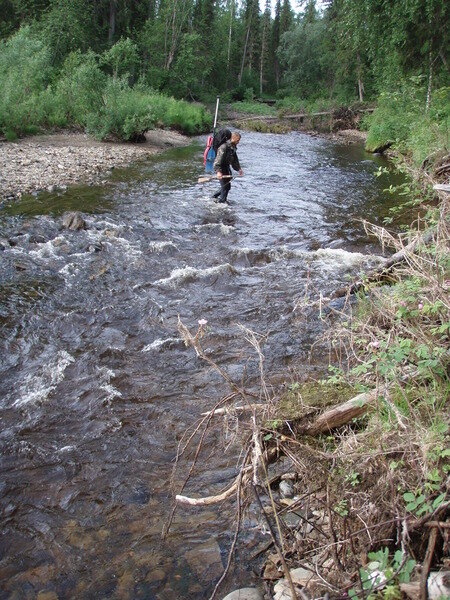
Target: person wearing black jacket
<point>227,159</point>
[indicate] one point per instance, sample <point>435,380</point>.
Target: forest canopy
<point>76,61</point>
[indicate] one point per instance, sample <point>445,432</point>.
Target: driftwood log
<point>342,414</point>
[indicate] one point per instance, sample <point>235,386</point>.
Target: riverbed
<point>96,385</point>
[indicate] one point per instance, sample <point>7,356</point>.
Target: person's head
<point>235,138</point>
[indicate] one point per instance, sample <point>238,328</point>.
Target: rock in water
<point>73,221</point>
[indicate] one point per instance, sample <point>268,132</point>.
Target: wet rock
<point>245,594</point>
<point>111,338</point>
<point>73,221</point>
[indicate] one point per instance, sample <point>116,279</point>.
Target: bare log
<point>342,414</point>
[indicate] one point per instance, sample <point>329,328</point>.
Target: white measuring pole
<point>217,110</point>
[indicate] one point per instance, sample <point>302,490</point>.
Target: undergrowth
<point>403,121</point>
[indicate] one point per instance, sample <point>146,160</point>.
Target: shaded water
<point>96,386</point>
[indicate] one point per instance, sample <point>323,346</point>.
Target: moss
<point>300,398</point>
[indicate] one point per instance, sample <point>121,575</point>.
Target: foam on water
<point>105,384</point>
<point>158,247</point>
<point>48,249</point>
<point>337,259</point>
<point>179,276</point>
<point>37,388</point>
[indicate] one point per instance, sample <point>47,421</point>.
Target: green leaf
<point>438,501</point>
<point>409,497</point>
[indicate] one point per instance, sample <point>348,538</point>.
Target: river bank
<point>54,161</point>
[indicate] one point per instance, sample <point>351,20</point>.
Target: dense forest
<point>97,63</point>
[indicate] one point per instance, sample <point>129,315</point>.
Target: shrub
<point>401,120</point>
<point>78,92</point>
<point>24,72</point>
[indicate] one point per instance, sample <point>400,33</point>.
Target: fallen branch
<point>217,498</point>
<point>226,410</point>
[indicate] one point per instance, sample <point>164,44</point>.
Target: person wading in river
<point>225,160</point>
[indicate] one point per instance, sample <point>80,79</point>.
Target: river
<point>96,386</point>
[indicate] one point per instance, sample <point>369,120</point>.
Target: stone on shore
<point>300,578</point>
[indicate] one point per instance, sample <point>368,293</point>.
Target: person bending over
<point>227,159</point>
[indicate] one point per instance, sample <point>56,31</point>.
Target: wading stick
<point>211,177</point>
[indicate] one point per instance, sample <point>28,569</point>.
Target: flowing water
<point>96,386</point>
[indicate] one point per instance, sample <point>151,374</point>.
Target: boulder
<point>73,221</point>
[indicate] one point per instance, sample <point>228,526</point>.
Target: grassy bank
<point>381,477</point>
<point>88,91</point>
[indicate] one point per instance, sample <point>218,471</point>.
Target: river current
<point>96,385</point>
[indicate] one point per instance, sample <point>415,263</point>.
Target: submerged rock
<point>205,560</point>
<point>245,594</point>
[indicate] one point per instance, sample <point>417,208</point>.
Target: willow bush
<point>80,93</point>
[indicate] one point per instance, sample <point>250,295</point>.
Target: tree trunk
<point>230,31</point>
<point>263,51</point>
<point>360,83</point>
<point>112,20</point>
<point>244,53</point>
<point>430,79</point>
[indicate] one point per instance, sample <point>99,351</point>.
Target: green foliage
<point>127,113</point>
<point>253,108</point>
<point>67,26</point>
<point>384,573</point>
<point>341,508</point>
<point>24,72</point>
<point>429,498</point>
<point>122,58</point>
<point>401,120</point>
<point>80,93</point>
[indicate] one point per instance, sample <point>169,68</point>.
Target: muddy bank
<point>50,162</point>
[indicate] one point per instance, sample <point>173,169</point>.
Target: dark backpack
<point>222,136</point>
